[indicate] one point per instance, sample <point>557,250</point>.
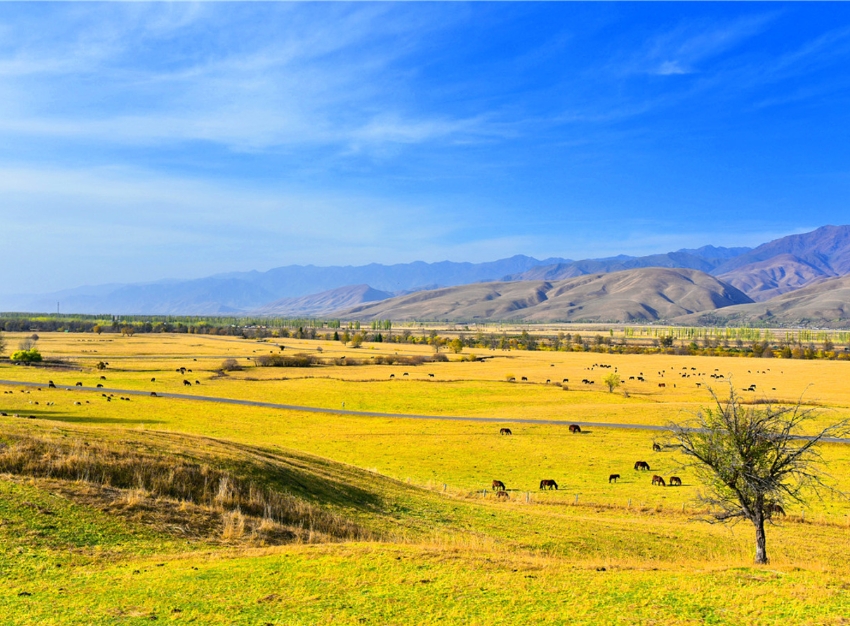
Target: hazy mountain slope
<point>789,263</point>
<point>825,304</point>
<point>704,259</point>
<point>240,292</point>
<point>323,303</point>
<point>645,294</point>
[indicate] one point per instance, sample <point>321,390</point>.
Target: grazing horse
<point>153,380</point>
<point>575,428</point>
<point>186,383</point>
<point>548,483</point>
<point>505,431</point>
<point>656,447</point>
<point>675,480</point>
<point>430,376</point>
<point>99,385</point>
<point>153,393</point>
<point>79,384</point>
<point>498,485</point>
<point>642,465</point>
<point>613,478</point>
<point>525,378</point>
<point>657,480</point>
<point>103,377</point>
<point>502,495</point>
<point>775,508</point>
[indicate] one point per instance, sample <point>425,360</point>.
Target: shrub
<point>231,365</point>
<point>280,360</point>
<point>26,356</point>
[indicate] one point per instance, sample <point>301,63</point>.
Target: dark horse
<point>498,485</point>
<point>505,431</point>
<point>775,508</point>
<point>657,480</point>
<point>503,494</point>
<point>675,480</point>
<point>575,428</point>
<point>548,483</point>
<point>642,465</point>
<point>613,478</point>
<point>656,447</point>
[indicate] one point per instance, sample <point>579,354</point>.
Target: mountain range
<point>695,285</point>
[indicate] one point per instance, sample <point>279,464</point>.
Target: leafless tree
<point>753,460</point>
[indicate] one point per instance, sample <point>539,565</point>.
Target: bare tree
<point>754,459</point>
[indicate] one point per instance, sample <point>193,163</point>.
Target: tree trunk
<point>761,540</point>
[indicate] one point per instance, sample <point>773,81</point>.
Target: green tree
<point>2,343</point>
<point>753,459</point>
<point>357,340</point>
<point>456,345</point>
<point>612,380</point>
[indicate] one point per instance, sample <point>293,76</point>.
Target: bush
<point>231,365</point>
<point>26,356</point>
<point>280,360</point>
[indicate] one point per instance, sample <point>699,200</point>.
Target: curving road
<point>313,409</point>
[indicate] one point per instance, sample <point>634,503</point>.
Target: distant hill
<point>241,292</point>
<point>646,294</point>
<point>322,303</point>
<point>824,304</point>
<point>704,259</point>
<point>789,263</point>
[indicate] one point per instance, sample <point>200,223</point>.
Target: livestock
<point>430,376</point>
<point>186,383</point>
<point>498,485</point>
<point>502,495</point>
<point>525,379</point>
<point>79,384</point>
<point>99,385</point>
<point>658,480</point>
<point>405,374</point>
<point>548,483</point>
<point>642,465</point>
<point>613,478</point>
<point>103,377</point>
<point>662,384</point>
<point>197,382</point>
<point>392,375</point>
<point>656,447</point>
<point>505,431</point>
<point>50,385</point>
<point>153,394</point>
<point>575,428</point>
<point>775,508</point>
<point>153,380</point>
<point>566,380</point>
<point>675,481</point>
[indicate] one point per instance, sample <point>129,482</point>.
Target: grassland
<point>385,520</point>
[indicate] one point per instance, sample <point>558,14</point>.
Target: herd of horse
<point>547,483</point>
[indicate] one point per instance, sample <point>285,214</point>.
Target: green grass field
<point>125,511</point>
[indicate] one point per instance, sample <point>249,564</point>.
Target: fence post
<point>527,497</point>
<point>444,486</point>
<point>576,502</point>
<point>630,504</point>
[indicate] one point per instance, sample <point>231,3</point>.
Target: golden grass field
<point>78,546</point>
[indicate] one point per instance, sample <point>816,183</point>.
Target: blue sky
<point>145,141</point>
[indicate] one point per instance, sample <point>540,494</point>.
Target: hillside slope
<point>322,303</point>
<point>646,294</point>
<point>789,263</point>
<point>824,304</point>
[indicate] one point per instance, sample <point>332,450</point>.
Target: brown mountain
<point>789,263</point>
<point>645,294</point>
<point>324,302</point>
<point>825,304</point>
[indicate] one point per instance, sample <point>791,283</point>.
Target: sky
<point>178,140</point>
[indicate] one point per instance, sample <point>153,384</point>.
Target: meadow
<point>290,516</point>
